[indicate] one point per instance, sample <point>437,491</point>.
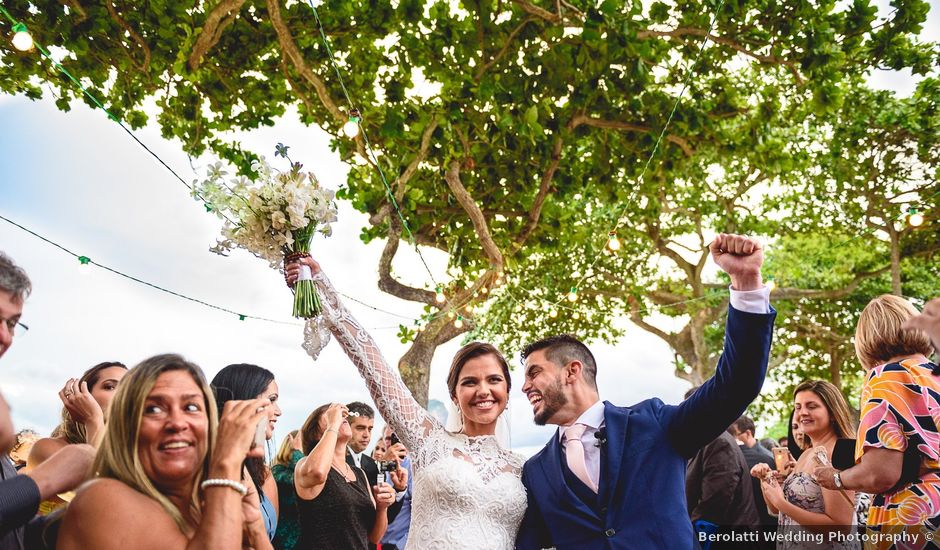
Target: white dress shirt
<point>748,301</point>
<point>357,457</point>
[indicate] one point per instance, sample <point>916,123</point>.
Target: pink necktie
<point>574,451</point>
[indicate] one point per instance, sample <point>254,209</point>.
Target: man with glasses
<point>20,495</point>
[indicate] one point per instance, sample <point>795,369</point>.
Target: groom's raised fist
<point>740,257</point>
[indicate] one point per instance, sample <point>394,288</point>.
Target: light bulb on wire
<point>573,294</point>
<point>553,313</point>
<point>22,40</point>
<point>440,295</point>
<point>575,315</point>
<point>915,218</point>
<point>84,264</point>
<point>613,242</point>
<point>459,322</point>
<point>351,128</point>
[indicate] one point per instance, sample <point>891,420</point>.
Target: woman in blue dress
<point>244,381</point>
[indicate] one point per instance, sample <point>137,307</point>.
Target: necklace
<point>346,473</point>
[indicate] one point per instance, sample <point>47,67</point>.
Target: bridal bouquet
<point>273,217</point>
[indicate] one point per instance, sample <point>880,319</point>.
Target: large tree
<point>502,126</point>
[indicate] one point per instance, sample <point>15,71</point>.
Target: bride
<point>467,490</point>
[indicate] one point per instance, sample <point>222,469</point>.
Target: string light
<point>469,308</point>
<point>915,218</point>
<point>241,317</point>
<point>553,313</point>
<point>573,295</point>
<point>351,128</point>
<point>22,40</point>
<point>84,263</point>
<point>459,322</point>
<point>575,315</point>
<point>451,314</point>
<point>420,327</point>
<point>484,290</point>
<point>613,242</point>
<point>440,295</point>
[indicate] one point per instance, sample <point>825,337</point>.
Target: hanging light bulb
<point>451,314</point>
<point>351,128</point>
<point>915,218</point>
<point>459,322</point>
<point>575,315</point>
<point>420,327</point>
<point>484,290</point>
<point>440,295</point>
<point>469,308</point>
<point>84,264</point>
<point>613,242</point>
<point>518,308</point>
<point>573,294</point>
<point>22,40</point>
<point>553,313</point>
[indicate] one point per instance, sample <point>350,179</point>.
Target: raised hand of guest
<point>761,471</point>
<point>773,492</point>
<point>237,427</point>
<point>83,408</point>
<point>741,258</point>
<point>399,478</point>
<point>384,495</point>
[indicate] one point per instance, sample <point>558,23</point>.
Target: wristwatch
<point>837,480</point>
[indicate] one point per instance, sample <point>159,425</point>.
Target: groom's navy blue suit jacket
<point>641,499</point>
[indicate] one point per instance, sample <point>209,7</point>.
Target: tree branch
<point>389,284</point>
<point>221,16</point>
<point>580,119</point>
<point>405,176</point>
<point>452,177</point>
<point>512,36</point>
<point>682,32</point>
<point>544,187</point>
<point>145,67</point>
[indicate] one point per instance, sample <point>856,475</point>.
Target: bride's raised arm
<point>398,407</point>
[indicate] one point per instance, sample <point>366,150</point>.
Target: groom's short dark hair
<point>563,349</point>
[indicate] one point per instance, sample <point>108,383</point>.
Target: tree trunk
<point>835,371</point>
<point>415,365</point>
<point>895,261</point>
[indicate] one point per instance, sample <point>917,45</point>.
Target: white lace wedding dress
<point>467,491</point>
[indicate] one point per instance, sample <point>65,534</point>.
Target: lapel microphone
<point>601,436</point>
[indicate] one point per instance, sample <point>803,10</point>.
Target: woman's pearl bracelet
<point>242,490</point>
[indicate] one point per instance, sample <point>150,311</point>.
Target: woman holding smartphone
<point>805,508</point>
<point>240,382</point>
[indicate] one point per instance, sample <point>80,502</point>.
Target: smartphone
<point>260,432</point>
<point>394,440</point>
<point>781,457</point>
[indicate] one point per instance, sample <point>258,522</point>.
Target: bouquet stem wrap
<point>306,299</point>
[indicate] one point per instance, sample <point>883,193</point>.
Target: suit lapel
<point>554,479</point>
<point>615,425</point>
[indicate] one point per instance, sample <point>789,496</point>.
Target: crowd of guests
<point>158,456</point>
<point>871,476</point>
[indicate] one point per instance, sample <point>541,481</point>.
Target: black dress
<point>340,517</point>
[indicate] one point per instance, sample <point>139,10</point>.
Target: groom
<point>614,477</point>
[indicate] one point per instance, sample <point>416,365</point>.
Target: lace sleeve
<point>409,420</point>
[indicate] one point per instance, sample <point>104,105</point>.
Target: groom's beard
<point>553,399</point>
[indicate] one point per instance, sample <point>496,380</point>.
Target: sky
<point>77,179</point>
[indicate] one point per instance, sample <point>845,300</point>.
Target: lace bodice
<point>467,491</point>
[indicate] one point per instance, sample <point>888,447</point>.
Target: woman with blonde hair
<point>288,523</point>
<point>898,444</point>
<point>823,416</point>
<point>169,472</point>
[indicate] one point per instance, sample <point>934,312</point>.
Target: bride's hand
<point>292,270</point>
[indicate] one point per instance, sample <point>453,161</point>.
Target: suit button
<point>610,532</point>
<point>604,511</point>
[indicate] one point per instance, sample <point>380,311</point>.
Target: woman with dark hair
<point>467,487</point>
<point>823,417</point>
<point>84,412</point>
<point>898,445</point>
<point>240,382</point>
<point>335,505</point>
<point>168,472</point>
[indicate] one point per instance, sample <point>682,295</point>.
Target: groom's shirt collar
<point>593,418</point>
